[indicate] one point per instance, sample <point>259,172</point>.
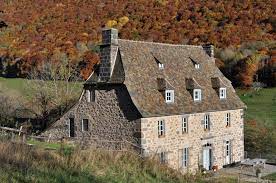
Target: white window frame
<point>207,122</point>
<point>161,128</point>
<point>184,124</point>
<point>161,66</point>
<point>198,96</point>
<point>197,66</point>
<point>227,119</point>
<point>88,96</point>
<point>163,157</point>
<point>185,157</point>
<point>82,125</point>
<point>169,96</point>
<point>222,93</point>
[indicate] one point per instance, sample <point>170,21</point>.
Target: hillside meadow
<point>23,163</point>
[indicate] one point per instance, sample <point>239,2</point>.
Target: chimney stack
<point>209,49</point>
<point>108,52</point>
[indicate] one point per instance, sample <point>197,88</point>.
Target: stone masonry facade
<point>174,140</point>
<point>111,117</point>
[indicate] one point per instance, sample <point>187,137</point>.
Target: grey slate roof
<point>139,71</point>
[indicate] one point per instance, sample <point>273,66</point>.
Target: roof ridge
<point>167,44</point>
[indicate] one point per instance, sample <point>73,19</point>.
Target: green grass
<point>261,105</point>
<point>270,177</point>
<point>20,87</point>
<point>46,145</point>
<point>22,163</point>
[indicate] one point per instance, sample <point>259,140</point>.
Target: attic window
<point>222,93</point>
<point>196,64</point>
<point>160,65</point>
<point>197,94</point>
<point>169,95</point>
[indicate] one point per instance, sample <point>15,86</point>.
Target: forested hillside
<point>33,32</point>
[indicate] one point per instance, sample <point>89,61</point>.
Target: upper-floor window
<point>197,94</point>
<point>84,125</point>
<point>207,122</point>
<point>169,95</point>
<point>184,125</point>
<point>185,156</point>
<point>161,128</point>
<point>197,66</point>
<point>90,95</point>
<point>163,157</point>
<point>161,66</point>
<point>227,119</point>
<point>222,93</point>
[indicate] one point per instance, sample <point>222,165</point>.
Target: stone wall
<point>112,117</point>
<point>174,140</point>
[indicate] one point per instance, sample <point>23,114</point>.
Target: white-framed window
<point>185,157</point>
<point>197,94</point>
<point>163,156</point>
<point>161,66</point>
<point>222,93</point>
<point>207,122</point>
<point>197,66</point>
<point>169,95</point>
<point>227,119</point>
<point>161,128</point>
<point>84,125</point>
<point>90,95</point>
<point>184,125</point>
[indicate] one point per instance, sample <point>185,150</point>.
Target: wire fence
<point>21,135</point>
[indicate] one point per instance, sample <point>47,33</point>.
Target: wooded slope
<point>48,30</point>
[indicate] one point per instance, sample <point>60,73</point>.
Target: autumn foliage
<point>33,32</point>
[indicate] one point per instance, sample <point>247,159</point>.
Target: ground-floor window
<point>85,125</point>
<point>163,157</point>
<point>71,127</point>
<point>185,156</point>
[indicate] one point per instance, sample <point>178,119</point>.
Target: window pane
<point>85,125</point>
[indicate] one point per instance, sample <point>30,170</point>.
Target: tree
<point>55,88</point>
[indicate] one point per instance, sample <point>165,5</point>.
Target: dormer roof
<point>135,67</point>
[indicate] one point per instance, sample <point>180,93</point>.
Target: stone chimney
<point>209,49</point>
<point>108,52</point>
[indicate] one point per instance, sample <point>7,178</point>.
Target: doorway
<point>227,152</point>
<point>207,157</point>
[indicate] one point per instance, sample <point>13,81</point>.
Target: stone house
<point>170,100</point>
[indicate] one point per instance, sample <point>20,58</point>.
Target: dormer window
<point>197,94</point>
<point>196,64</point>
<point>90,95</point>
<point>169,96</point>
<point>160,65</point>
<point>222,93</point>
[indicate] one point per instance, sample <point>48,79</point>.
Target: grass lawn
<point>270,177</point>
<point>20,87</point>
<point>261,105</point>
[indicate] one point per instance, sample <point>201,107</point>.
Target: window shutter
<point>210,122</point>
<point>202,121</point>
<point>224,152</point>
<point>200,158</point>
<point>180,156</point>
<point>188,157</point>
<point>231,151</point>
